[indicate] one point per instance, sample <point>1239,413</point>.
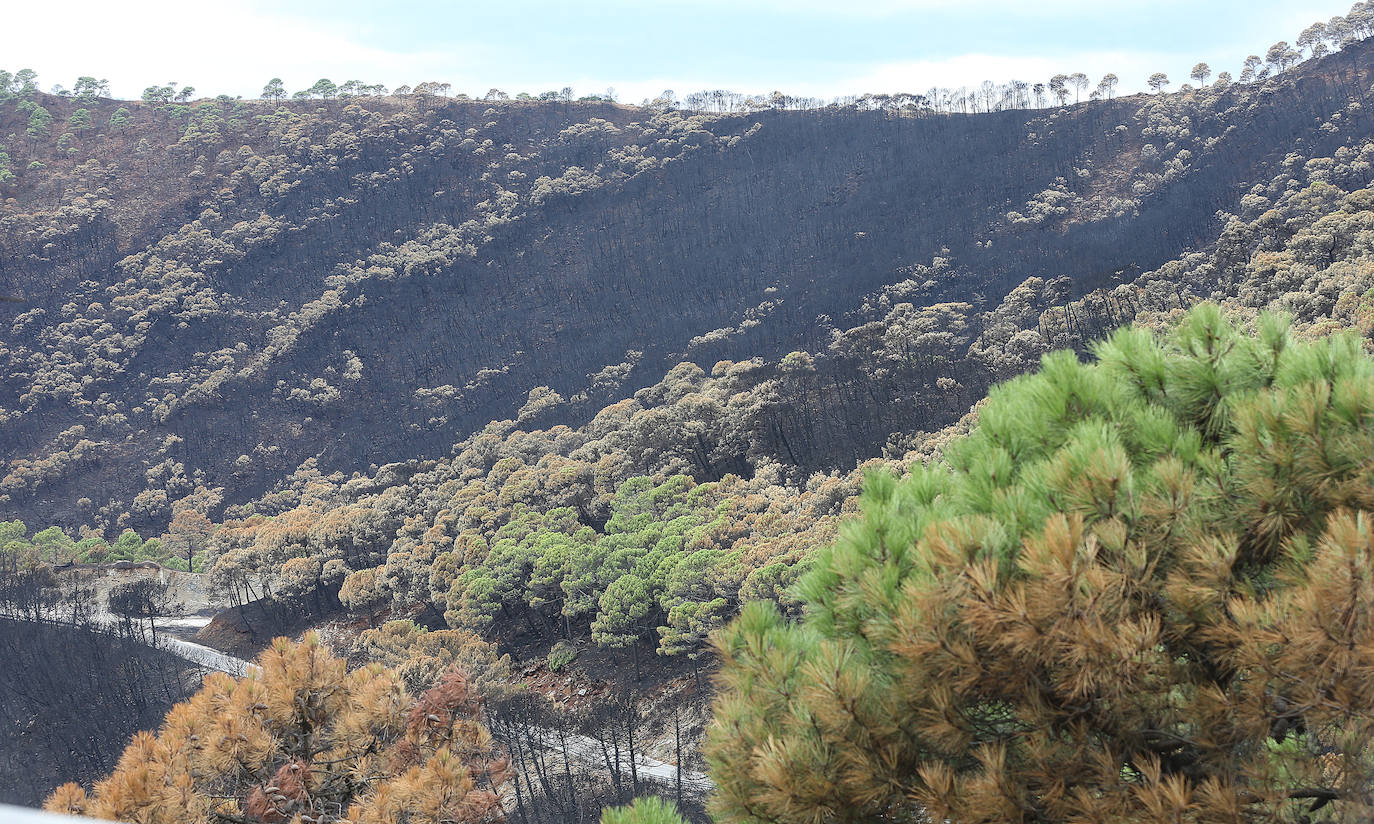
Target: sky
<point>812,48</point>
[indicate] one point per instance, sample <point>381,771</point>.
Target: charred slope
<point>73,698</point>
<point>220,293</point>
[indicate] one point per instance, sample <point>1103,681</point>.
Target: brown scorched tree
<point>303,740</point>
<point>1142,589</point>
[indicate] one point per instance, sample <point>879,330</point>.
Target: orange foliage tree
<point>302,740</point>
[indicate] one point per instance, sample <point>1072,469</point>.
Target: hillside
<point>703,452</point>
<point>222,301</point>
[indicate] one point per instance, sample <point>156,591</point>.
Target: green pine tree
<point>1142,589</point>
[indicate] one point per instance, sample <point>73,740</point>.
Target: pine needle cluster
<point>302,740</point>
<point>1141,590</point>
<point>647,809</point>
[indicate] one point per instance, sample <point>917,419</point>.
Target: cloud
<point>235,47</point>
<point>968,8</point>
<point>217,49</point>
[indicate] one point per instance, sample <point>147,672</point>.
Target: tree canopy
<point>300,739</point>
<point>1139,590</point>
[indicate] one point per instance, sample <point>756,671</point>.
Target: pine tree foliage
<point>421,657</point>
<point>1142,589</point>
<point>302,740</point>
<point>648,809</point>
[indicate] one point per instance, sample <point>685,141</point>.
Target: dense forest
<point>555,417</point>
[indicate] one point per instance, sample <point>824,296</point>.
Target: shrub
<point>561,656</point>
<point>647,809</point>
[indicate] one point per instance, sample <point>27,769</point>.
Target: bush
<point>561,656</point>
<point>648,809</point>
<point>1141,589</point>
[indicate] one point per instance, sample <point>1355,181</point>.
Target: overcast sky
<point>818,48</point>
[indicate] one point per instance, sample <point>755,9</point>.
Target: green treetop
<point>1142,589</point>
<point>40,123</point>
<point>79,121</point>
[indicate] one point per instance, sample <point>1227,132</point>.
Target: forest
<point>985,454</point>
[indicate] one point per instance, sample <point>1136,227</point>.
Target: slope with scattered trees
<point>224,292</point>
